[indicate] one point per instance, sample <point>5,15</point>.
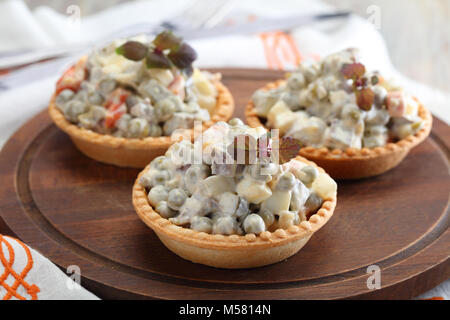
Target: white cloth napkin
<point>30,276</point>
<point>46,27</point>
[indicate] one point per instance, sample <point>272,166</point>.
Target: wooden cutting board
<point>78,212</point>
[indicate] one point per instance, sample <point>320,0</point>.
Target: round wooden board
<point>76,211</point>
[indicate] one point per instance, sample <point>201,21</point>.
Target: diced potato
<point>412,107</point>
<point>300,194</point>
<point>214,186</point>
<point>286,219</point>
<point>321,109</point>
<point>205,90</point>
<point>278,108</point>
<point>259,131</point>
<point>375,116</point>
<point>308,131</point>
<point>253,191</point>
<point>279,201</point>
<point>207,102</point>
<point>376,140</point>
<point>228,203</point>
<point>395,103</point>
<point>115,64</point>
<point>294,166</point>
<point>283,122</point>
<point>403,130</point>
<point>338,98</point>
<point>264,100</point>
<point>324,186</point>
<point>163,76</point>
<point>203,85</point>
<point>337,137</point>
<point>192,207</point>
<point>280,116</point>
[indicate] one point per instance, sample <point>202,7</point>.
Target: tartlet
<point>126,103</point>
<point>252,248</point>
<point>355,163</point>
<point>128,152</point>
<point>234,251</point>
<point>349,121</point>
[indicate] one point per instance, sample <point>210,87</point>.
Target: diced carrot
<point>117,98</point>
<point>72,78</point>
<point>115,106</point>
<point>177,86</point>
<point>113,115</point>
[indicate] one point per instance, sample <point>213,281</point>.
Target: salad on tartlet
<point>222,185</point>
<point>338,109</point>
<point>135,90</point>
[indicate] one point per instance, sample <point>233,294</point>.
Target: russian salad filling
<point>137,89</point>
<point>338,104</point>
<point>202,186</point>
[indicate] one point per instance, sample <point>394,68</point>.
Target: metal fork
<point>202,14</point>
<point>198,14</point>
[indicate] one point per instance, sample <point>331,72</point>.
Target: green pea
<point>106,86</point>
<point>160,163</point>
<point>155,131</point>
<point>164,109</point>
<point>309,175</point>
<point>63,97</point>
<point>157,194</point>
<point>73,109</point>
<point>159,178</point>
<point>201,224</point>
<point>254,224</point>
<point>268,217</point>
<point>296,81</point>
<point>286,181</point>
<point>224,225</point>
<point>176,198</point>
<point>95,98</point>
<point>164,211</point>
<point>138,128</point>
<point>313,203</point>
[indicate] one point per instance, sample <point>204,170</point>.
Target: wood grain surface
<point>76,211</point>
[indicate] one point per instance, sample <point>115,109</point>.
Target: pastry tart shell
<point>355,163</point>
<point>233,251</point>
<point>133,153</point>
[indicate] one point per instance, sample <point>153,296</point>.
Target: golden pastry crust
<point>234,251</point>
<point>134,153</point>
<point>355,163</point>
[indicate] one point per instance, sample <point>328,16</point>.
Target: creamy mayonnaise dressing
<point>318,106</point>
<point>110,94</point>
<point>192,187</point>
